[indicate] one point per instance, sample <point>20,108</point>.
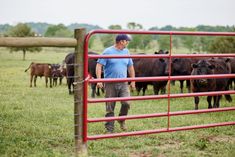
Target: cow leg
<point>215,101</point>
<point>196,101</point>
<point>31,80</point>
<point>188,86</point>
<point>73,87</point>
<point>181,86</point>
<point>53,81</point>
<point>69,85</point>
<point>35,79</point>
<point>138,87</point>
<point>61,80</point>
<point>233,86</point>
<point>50,79</point>
<point>209,98</point>
<point>93,88</point>
<point>46,80</point>
<point>144,89</point>
<point>156,90</point>
<point>98,90</point>
<point>163,90</point>
<point>218,103</point>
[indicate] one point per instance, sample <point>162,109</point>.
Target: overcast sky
<point>104,13</point>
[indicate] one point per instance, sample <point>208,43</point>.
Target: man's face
<point>124,43</point>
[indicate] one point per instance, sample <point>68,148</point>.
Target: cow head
<point>161,52</point>
<point>203,67</point>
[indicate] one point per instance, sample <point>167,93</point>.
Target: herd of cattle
<point>149,67</point>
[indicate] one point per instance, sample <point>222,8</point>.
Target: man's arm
<point>131,72</point>
<point>98,74</point>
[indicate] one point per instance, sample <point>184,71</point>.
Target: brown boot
<point>122,125</point>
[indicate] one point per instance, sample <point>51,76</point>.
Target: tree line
<point>198,44</point>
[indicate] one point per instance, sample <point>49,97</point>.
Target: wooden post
<point>80,145</point>
<point>37,42</point>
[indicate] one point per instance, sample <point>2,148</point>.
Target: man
<point>116,68</point>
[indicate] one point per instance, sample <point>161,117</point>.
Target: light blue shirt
<point>115,67</point>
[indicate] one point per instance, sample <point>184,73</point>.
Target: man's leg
<point>110,106</point>
<point>125,105</point>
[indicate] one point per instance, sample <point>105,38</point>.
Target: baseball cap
<point>120,37</point>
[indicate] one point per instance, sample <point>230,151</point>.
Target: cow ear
<point>227,60</point>
<point>166,52</point>
<point>175,60</point>
<point>156,52</point>
<point>212,66</point>
<point>194,65</point>
<point>162,60</point>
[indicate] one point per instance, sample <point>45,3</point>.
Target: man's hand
<point>100,85</point>
<point>132,86</point>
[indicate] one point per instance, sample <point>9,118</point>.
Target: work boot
<point>122,125</point>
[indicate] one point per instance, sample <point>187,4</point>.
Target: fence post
<point>80,145</point>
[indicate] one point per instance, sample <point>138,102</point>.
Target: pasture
<point>39,121</point>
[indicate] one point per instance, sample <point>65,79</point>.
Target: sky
<point>148,13</point>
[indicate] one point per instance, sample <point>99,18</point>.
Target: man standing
<point>116,68</point>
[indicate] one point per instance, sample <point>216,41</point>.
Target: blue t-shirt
<point>115,67</point>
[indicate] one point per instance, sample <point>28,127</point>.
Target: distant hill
<point>41,27</point>
<point>4,28</point>
<point>203,28</point>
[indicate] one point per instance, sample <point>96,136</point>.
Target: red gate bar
<point>160,78</point>
<point>134,133</point>
<point>157,33</point>
<point>150,97</point>
<point>177,113</point>
<point>162,56</point>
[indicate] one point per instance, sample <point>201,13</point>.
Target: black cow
<point>207,67</point>
<point>69,60</point>
<point>138,64</point>
<point>179,67</point>
<point>92,71</point>
<point>149,67</point>
<point>232,66</point>
<point>56,74</point>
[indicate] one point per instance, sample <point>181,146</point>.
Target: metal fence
<point>168,96</point>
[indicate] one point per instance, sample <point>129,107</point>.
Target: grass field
<point>39,121</point>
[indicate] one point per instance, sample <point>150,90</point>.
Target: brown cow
<point>40,69</point>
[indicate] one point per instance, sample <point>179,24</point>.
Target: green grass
<point>39,121</point>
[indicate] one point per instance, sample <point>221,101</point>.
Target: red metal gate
<point>167,96</point>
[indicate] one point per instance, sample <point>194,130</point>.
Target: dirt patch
<point>229,139</point>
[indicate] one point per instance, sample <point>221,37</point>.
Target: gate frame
<point>168,114</point>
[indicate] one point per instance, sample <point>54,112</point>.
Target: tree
<point>188,41</point>
<point>223,45</point>
<point>134,26</point>
<point>22,30</point>
<point>108,39</point>
<point>59,30</point>
<point>138,41</point>
<point>164,42</point>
